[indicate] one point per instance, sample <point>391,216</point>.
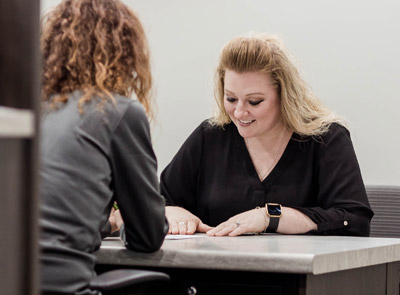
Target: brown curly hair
<point>98,47</point>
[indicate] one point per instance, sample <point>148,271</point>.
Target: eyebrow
<point>255,93</point>
<point>230,92</point>
<point>249,94</point>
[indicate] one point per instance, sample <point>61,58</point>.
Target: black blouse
<point>213,176</point>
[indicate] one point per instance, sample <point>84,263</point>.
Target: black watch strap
<point>274,211</point>
<point>273,224</point>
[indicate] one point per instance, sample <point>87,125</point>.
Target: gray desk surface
<point>264,253</point>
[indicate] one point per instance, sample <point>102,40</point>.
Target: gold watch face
<point>274,210</point>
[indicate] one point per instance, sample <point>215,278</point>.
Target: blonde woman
<point>273,158</point>
<point>95,140</point>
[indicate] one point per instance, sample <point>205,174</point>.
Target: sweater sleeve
<point>179,178</point>
<point>105,230</point>
<point>343,203</point>
<point>136,187</point>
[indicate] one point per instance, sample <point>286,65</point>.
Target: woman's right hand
<point>182,222</point>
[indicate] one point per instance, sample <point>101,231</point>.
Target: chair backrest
<point>385,201</point>
<point>130,281</point>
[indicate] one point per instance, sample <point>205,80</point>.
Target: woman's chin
<point>245,133</point>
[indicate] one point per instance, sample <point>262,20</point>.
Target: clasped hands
<point>183,222</point>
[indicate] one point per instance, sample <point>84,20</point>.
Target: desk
<point>269,264</point>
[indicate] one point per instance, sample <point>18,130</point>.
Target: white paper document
<point>182,237</point>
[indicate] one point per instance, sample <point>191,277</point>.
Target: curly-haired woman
<point>95,140</point>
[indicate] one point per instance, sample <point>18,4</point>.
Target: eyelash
<point>251,102</point>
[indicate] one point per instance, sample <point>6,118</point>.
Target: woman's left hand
<point>252,221</point>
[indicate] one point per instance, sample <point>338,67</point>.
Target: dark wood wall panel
<point>19,88</point>
<point>12,248</point>
<point>19,48</point>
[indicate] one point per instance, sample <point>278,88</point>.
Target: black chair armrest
<point>121,278</point>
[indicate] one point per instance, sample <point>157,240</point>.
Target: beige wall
<point>348,51</point>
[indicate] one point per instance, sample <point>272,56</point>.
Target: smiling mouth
<point>245,122</point>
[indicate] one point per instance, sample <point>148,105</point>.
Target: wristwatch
<point>274,211</point>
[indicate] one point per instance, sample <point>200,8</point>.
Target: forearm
<point>293,221</point>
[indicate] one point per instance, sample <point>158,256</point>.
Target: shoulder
<point>209,132</point>
<point>129,107</point>
<point>335,132</point>
<point>128,112</point>
<point>336,139</point>
<point>205,133</point>
<point>336,128</point>
<point>132,128</point>
<point>209,128</point>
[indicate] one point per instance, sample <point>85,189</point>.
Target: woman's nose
<point>240,110</point>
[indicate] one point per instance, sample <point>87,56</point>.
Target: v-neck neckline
<point>287,156</point>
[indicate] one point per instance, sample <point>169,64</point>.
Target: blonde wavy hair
<point>301,110</point>
<point>98,47</point>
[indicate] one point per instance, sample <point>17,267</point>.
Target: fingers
<point>173,228</point>
<point>112,213</point>
<point>252,221</point>
<point>191,227</point>
<point>182,227</point>
<point>181,221</point>
<point>240,230</point>
<point>118,219</point>
<point>203,228</point>
<point>229,228</point>
<point>223,229</point>
<point>188,227</point>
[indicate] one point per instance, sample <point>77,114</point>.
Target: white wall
<point>348,51</point>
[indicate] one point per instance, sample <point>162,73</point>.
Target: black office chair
<point>128,281</point>
<point>385,202</point>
